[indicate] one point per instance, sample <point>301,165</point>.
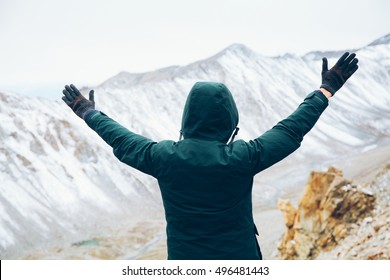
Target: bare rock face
<point>369,239</point>
<point>329,208</point>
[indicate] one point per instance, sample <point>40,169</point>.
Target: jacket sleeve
<point>128,147</point>
<point>286,136</point>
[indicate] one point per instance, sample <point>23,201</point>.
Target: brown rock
<point>288,210</point>
<point>328,206</point>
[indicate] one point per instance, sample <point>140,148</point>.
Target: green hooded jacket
<point>206,182</point>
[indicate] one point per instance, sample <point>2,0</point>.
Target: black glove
<point>333,79</point>
<point>78,103</point>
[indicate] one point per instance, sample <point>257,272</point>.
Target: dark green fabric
<point>206,184</point>
<point>210,112</point>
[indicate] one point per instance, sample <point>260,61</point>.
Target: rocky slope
<point>337,219</point>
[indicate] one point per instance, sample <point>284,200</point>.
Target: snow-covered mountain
<point>59,181</point>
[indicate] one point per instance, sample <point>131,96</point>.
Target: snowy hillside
<point>60,181</point>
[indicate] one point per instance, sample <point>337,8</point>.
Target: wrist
<point>88,113</point>
<point>326,93</point>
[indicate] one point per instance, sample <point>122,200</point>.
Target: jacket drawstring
<point>234,134</point>
<point>181,135</point>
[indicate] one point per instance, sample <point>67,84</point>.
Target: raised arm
<point>128,147</point>
<point>285,137</point>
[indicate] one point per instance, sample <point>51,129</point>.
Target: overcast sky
<point>48,43</point>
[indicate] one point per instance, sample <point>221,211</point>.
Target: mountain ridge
<point>242,48</point>
<point>381,40</point>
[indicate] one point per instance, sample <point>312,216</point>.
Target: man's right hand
<point>334,79</point>
<point>77,102</point>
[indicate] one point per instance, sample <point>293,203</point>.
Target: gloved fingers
<point>351,68</point>
<point>353,63</point>
<point>66,100</point>
<point>67,95</point>
<point>71,92</point>
<point>324,64</point>
<point>75,90</point>
<point>92,96</point>
<point>341,59</point>
<point>349,59</point>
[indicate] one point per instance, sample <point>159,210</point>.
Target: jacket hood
<point>209,113</point>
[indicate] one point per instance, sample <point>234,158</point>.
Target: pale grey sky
<point>45,44</point>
